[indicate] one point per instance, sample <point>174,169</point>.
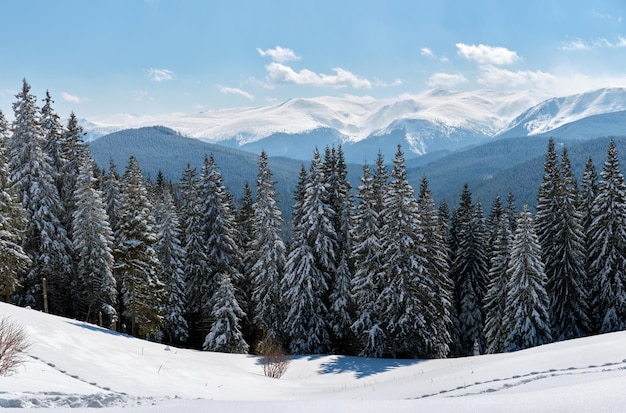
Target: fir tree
<point>245,230</point>
<point>608,248</point>
<point>267,256</point>
<point>225,335</point>
<point>47,242</point>
<point>171,255</point>
<point>469,273</point>
<point>441,288</point>
<point>310,264</point>
<point>144,293</point>
<point>94,286</point>
<point>341,202</point>
<point>13,260</point>
<point>367,283</point>
<point>196,263</point>
<point>567,276</point>
<point>408,284</point>
<point>219,232</point>
<point>526,317</point>
<point>495,298</point>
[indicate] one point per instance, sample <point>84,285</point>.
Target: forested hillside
<point>376,269</point>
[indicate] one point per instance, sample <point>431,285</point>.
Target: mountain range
<point>461,139</point>
<point>434,122</point>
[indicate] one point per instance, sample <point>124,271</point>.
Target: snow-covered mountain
<point>555,113</point>
<point>436,120</point>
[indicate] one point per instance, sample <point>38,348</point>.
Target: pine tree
<point>367,283</point>
<point>441,288</point>
<point>469,273</point>
<point>171,255</point>
<point>13,260</point>
<point>220,235</point>
<point>567,276</point>
<point>94,286</point>
<point>608,248</point>
<point>137,264</point>
<point>526,317</point>
<point>561,235</point>
<point>342,204</point>
<point>225,335</point>
<point>72,154</point>
<point>245,230</point>
<point>47,242</point>
<point>309,264</point>
<point>407,281</point>
<point>196,263</point>
<point>267,256</point>
<point>495,298</point>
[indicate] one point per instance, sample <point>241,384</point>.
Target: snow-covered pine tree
<point>267,257</point>
<point>497,210</point>
<point>407,281</point>
<point>608,248</point>
<point>72,152</point>
<point>439,284</point>
<point>588,194</point>
<point>136,261</point>
<point>53,132</point>
<point>33,176</point>
<point>469,272</point>
<point>562,240</point>
<point>110,186</point>
<point>495,298</point>
<point>368,270</point>
<point>305,284</point>
<point>13,260</point>
<point>341,202</point>
<point>171,255</point>
<point>94,286</point>
<point>196,264</point>
<point>245,231</point>
<point>526,318</point>
<point>219,230</point>
<point>567,276</point>
<point>225,335</point>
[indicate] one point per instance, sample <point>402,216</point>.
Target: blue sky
<point>151,57</point>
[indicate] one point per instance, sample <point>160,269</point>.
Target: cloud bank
<point>487,55</point>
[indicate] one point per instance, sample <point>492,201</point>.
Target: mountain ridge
<point>436,120</point>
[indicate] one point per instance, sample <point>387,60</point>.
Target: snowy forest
<point>376,271</point>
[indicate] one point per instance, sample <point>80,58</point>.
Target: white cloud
<point>579,44</point>
<point>279,73</point>
<point>71,98</point>
<point>447,80</point>
<point>425,51</point>
<point>160,75</point>
<point>496,77</point>
<point>235,91</point>
<point>487,55</point>
<point>279,54</point>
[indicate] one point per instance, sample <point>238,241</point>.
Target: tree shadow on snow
<point>362,366</point>
<point>93,327</point>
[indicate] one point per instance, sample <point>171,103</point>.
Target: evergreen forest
<point>379,270</point>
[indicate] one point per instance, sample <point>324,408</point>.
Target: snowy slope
<point>75,364</point>
<point>557,112</point>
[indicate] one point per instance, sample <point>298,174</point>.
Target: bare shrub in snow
<point>275,360</point>
<point>13,344</point>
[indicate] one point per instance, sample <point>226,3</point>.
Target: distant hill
<point>493,168</point>
<point>159,148</point>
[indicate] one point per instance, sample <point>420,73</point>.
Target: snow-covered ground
<point>73,364</point>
